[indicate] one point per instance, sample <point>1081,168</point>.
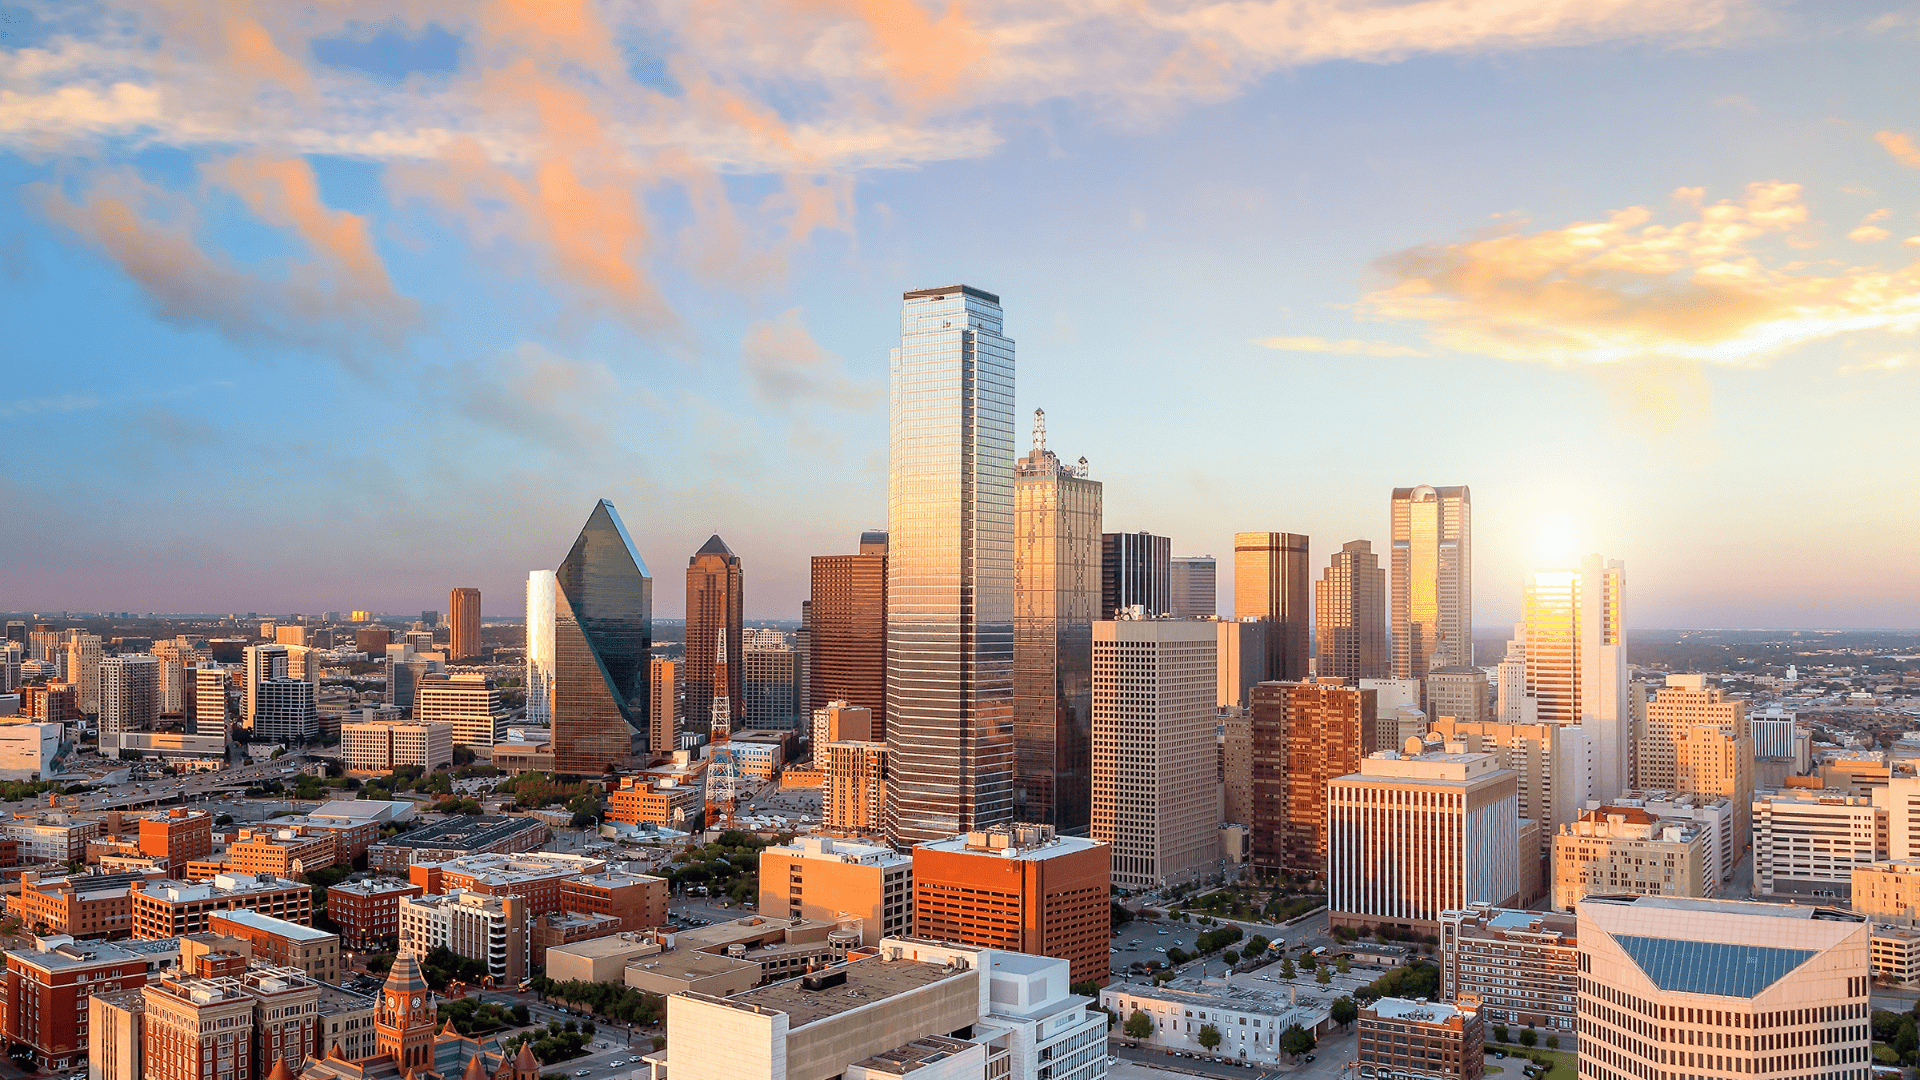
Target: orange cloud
<point>1348,347</point>
<point>1629,289</point>
<point>283,192</point>
<point>787,369</point>
<point>927,58</point>
<point>251,49</point>
<point>1900,145</point>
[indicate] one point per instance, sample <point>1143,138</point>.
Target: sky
<point>328,306</point>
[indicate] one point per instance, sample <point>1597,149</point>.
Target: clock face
<point>416,1002</point>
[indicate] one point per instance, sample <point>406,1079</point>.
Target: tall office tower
<point>1412,836</point>
<point>285,710</point>
<point>715,595</point>
<point>803,657</point>
<point>83,670</point>
<point>1459,692</point>
<point>1241,657</point>
<point>848,619</point>
<point>289,634</point>
<point>1575,669</point>
<point>173,656</point>
<point>950,577</point>
<point>264,663</point>
<point>10,658</point>
<point>1432,579</point>
<point>1270,576</point>
<point>1236,780</point>
<point>1056,568</point>
<point>48,645</point>
<point>1548,760</point>
<point>1193,580</point>
<point>1714,760</point>
<point>429,619</point>
<point>1350,620</point>
<point>542,587</point>
<point>1678,989</point>
<point>770,686</point>
<point>1135,569</point>
<point>1512,705</point>
<point>1156,797</point>
<point>467,703</point>
<point>603,632</point>
<point>129,692</point>
<point>1683,703</point>
<point>1304,735</point>
<point>17,632</point>
<point>463,612</point>
<point>665,718</point>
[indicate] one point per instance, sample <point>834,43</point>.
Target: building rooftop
<point>918,1054</point>
<point>177,892</point>
<point>57,952</point>
<point>1705,906</point>
<point>1419,1012</point>
<point>379,810</point>
<point>373,886</point>
<point>1021,841</point>
<point>613,879</point>
<point>827,849</point>
<point>293,931</point>
<point>508,869</point>
<point>470,833</point>
<point>610,946</point>
<point>868,980</point>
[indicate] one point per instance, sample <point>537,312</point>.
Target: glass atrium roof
<point>1711,967</point>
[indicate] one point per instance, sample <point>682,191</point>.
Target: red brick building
<point>368,912</point>
<point>535,877</point>
<point>80,905</point>
<point>280,852</point>
<point>639,901</point>
<point>1021,888</point>
<point>164,909</point>
<point>179,835</point>
<point>43,995</point>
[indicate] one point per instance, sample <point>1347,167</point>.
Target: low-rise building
<point>376,747</point>
<point>351,838</point>
<point>1896,953</point>
<point>730,956</point>
<point>759,754</point>
<point>43,998</point>
<point>673,801</point>
<point>821,878</point>
<point>50,836</point>
<point>534,876</point>
<point>96,905</point>
<point>280,852</point>
<point>566,928</point>
<point>177,835</point>
<point>1808,841</point>
<point>604,959</point>
<point>639,901</point>
<point>489,929</point>
<point>171,909</point>
<point>1250,1021</point>
<point>1417,1040</point>
<point>456,838</point>
<point>1624,849</point>
<point>1521,966</point>
<point>368,912</point>
<point>516,756</point>
<point>346,1023</point>
<point>282,943</point>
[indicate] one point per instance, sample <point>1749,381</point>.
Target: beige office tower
<point>1241,656</point>
<point>1574,636</point>
<point>175,686</point>
<point>1900,798</point>
<point>83,670</point>
<point>1431,579</point>
<point>1056,598</point>
<point>209,701</point>
<point>1512,705</point>
<point>1675,989</point>
<point>664,710</point>
<point>1156,801</point>
<point>1629,849</point>
<point>1350,615</point>
<point>1270,575</point>
<point>1535,754</point>
<point>1719,761</point>
<point>129,691</point>
<point>1194,584</point>
<point>856,795</point>
<point>1459,692</point>
<point>1237,767</point>
<point>1686,701</point>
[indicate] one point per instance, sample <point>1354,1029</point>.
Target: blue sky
<point>316,310</point>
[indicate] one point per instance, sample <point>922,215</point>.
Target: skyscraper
<point>83,654</point>
<point>463,609</point>
<point>129,693</point>
<point>1575,664</point>
<point>1270,582</point>
<point>1056,596</point>
<point>665,709</point>
<point>715,594</point>
<point>264,663</point>
<point>1350,618</point>
<point>542,589</point>
<point>1304,735</point>
<point>847,623</point>
<point>950,575</point>
<point>603,630</point>
<point>1135,568</point>
<point>1432,579</point>
<point>1193,582</point>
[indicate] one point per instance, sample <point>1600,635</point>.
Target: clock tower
<point>404,1028</point>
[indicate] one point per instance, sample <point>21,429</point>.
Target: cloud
<point>1869,234</point>
<point>1884,365</point>
<point>1348,347</point>
<point>1628,288</point>
<point>59,403</point>
<point>562,404</point>
<point>787,370</point>
<point>175,432</point>
<point>1900,145</point>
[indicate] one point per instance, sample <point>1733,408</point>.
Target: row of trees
<point>611,1000</point>
<point>1294,1041</point>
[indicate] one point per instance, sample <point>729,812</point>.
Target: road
<point>1331,1056</point>
<point>120,793</point>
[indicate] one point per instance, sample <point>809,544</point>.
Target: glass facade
<point>541,590</point>
<point>1432,579</point>
<point>603,632</point>
<point>1270,576</point>
<point>1350,603</point>
<point>1135,568</point>
<point>950,579</point>
<point>1711,967</point>
<point>1056,596</point>
<point>715,599</point>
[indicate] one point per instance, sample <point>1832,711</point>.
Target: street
<point>1330,1062</point>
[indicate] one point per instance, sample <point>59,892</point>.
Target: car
<point>1309,1057</point>
<point>1115,952</point>
<point>584,1072</point>
<point>1159,948</point>
<point>1163,933</point>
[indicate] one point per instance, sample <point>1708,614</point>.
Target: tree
<point>1500,1033</point>
<point>1230,956</point>
<point>1090,988</point>
<point>1118,915</point>
<point>1529,1037</point>
<point>1257,945</point>
<point>1553,1042</point>
<point>1139,1025</point>
<point>1296,1040</point>
<point>1344,1011</point>
<point>521,1016</point>
<point>1907,1040</point>
<point>1287,970</point>
<point>1323,976</point>
<point>1342,966</point>
<point>1209,1036</point>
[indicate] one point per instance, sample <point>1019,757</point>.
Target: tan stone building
<point>1625,849</point>
<point>825,879</point>
<point>1888,892</point>
<point>856,787</point>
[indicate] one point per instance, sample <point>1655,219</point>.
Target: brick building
<point>1021,888</point>
<point>177,835</point>
<point>280,852</point>
<point>368,912</point>
<point>282,943</point>
<point>533,876</point>
<point>80,905</point>
<point>167,908</point>
<point>1415,1040</point>
<point>43,997</point>
<point>639,901</point>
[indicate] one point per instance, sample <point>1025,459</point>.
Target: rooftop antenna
<point>1039,431</point>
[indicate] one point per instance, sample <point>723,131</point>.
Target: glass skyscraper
<point>950,579</point>
<point>603,631</point>
<point>1431,579</point>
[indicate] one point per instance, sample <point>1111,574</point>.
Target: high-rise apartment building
<point>1575,665</point>
<point>950,579</point>
<point>830,880</point>
<point>1304,736</point>
<point>463,621</point>
<point>1411,837</point>
<point>467,703</point>
<point>1685,702</point>
<point>1236,779</point>
<point>1194,582</point>
<point>83,653</point>
<point>856,796</point>
<point>1057,590</point>
<point>210,686</point>
<point>1270,575</point>
<point>847,629</point>
<point>665,717</point>
<point>263,663</point>
<point>603,632</point>
<point>1459,692</point>
<point>715,598</point>
<point>1431,579</point>
<point>489,929</point>
<point>176,657</point>
<point>1135,571</point>
<point>1156,798</point>
<point>285,710</point>
<point>770,686</point>
<point>129,692</point>
<point>1350,617</point>
<point>1023,888</point>
<point>1241,659</point>
<point>1680,988</point>
<point>542,587</point>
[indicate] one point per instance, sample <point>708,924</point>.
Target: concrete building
<point>129,693</point>
<point>856,790</point>
<point>1022,888</point>
<point>27,751</point>
<point>1715,816</point>
<point>1156,799</point>
<point>47,987</point>
<point>1412,836</point>
<point>824,879</point>
<point>1459,692</point>
<point>466,702</point>
<point>286,710</point>
<point>378,747</point>
<point>1572,667</point>
<point>639,901</point>
<point>1250,1020</point>
<point>49,836</point>
<point>1430,579</point>
<point>1193,581</point>
<point>1350,615</point>
<point>1304,735</point>
<point>285,853</point>
<point>1625,849</point>
<point>1689,987</point>
<point>83,655</point>
<point>771,683</point>
<point>1236,768</point>
<point>1418,1040</point>
<point>169,909</point>
<point>674,801</point>
<point>1240,658</point>
<point>759,754</point>
<point>715,584</point>
<point>177,835</point>
<point>489,929</point>
<point>1521,966</point>
<point>1896,954</point>
<point>1541,757</point>
<point>1685,702</point>
<point>565,928</point>
<point>282,943</point>
<point>538,877</point>
<point>210,701</point>
<point>1807,842</point>
<point>666,710</point>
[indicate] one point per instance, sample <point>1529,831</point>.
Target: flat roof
<point>176,892</point>
<point>1726,907</point>
<point>470,833</point>
<point>1415,1011</point>
<point>373,885</point>
<point>1059,845</point>
<point>868,980</point>
<point>271,925</point>
<point>602,948</point>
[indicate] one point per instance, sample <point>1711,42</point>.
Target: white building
<point>285,710</point>
<point>1673,987</point>
<point>1807,841</point>
<point>380,746</point>
<point>467,702</point>
<point>1156,799</point>
<point>490,929</point>
<point>542,594</point>
<point>129,693</point>
<point>27,750</point>
<point>210,700</point>
<point>1774,733</point>
<point>262,664</point>
<point>1250,1021</point>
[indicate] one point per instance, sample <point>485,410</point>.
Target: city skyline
<point>380,335</point>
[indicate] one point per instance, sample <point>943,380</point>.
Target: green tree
<point>521,1016</point>
<point>1553,1042</point>
<point>1296,1040</point>
<point>1907,1040</point>
<point>1257,945</point>
<point>1287,970</point>
<point>1230,956</point>
<point>1323,976</point>
<point>1139,1025</point>
<point>1529,1037</point>
<point>1342,966</point>
<point>1090,988</point>
<point>1500,1033</point>
<point>1344,1011</point>
<point>1209,1036</point>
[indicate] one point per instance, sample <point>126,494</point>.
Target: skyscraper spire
<point>1039,431</point>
